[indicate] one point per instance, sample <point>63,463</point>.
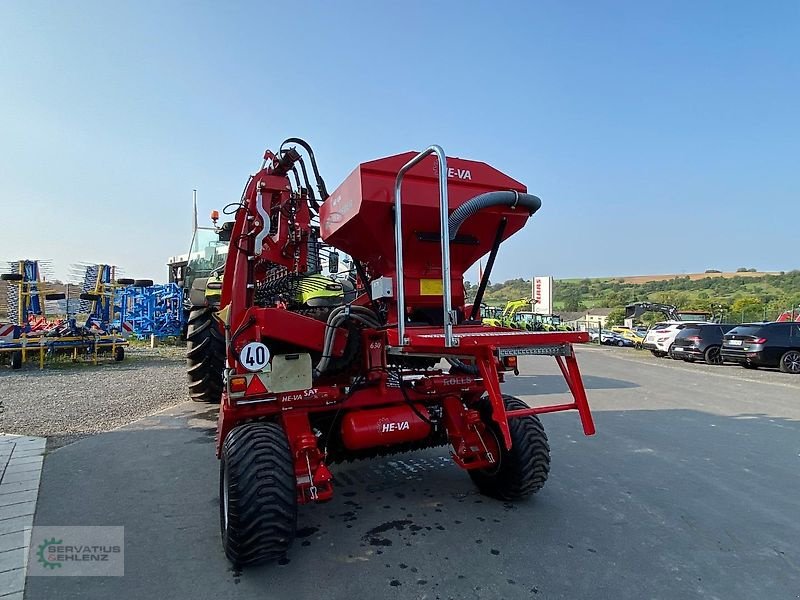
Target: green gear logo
<point>43,558</point>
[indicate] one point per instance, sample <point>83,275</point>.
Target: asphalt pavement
<point>689,490</point>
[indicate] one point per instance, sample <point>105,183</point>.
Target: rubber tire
<point>205,355</point>
<point>90,297</point>
<point>142,282</point>
<point>124,281</point>
<point>16,360</point>
<point>658,353</point>
<point>11,277</point>
<point>783,367</point>
<point>708,355</point>
<point>119,353</point>
<point>747,365</point>
<point>521,471</point>
<point>55,296</point>
<point>261,493</point>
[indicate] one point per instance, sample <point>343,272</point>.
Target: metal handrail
<point>449,316</point>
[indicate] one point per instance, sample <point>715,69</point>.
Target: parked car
<point>661,335</point>
<point>701,341</point>
<point>615,339</point>
<point>634,335</point>
<point>756,345</point>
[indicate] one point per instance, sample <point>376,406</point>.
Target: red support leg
<point>491,381</point>
<point>575,383</point>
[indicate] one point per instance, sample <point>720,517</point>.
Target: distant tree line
<point>736,298</point>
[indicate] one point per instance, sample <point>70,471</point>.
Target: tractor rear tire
<point>55,296</point>
<point>16,360</point>
<point>12,277</point>
<point>119,353</point>
<point>257,494</point>
<point>90,297</point>
<point>124,281</point>
<point>205,355</point>
<point>522,470</point>
<point>142,282</point>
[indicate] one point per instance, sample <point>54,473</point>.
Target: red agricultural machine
<point>321,368</point>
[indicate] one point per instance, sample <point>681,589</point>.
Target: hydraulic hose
<point>337,317</point>
<point>512,198</point>
<point>323,191</point>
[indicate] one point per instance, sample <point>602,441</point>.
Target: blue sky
<point>662,137</point>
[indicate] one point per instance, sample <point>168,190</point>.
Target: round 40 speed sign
<point>254,356</point>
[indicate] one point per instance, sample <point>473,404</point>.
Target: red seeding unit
<point>318,365</point>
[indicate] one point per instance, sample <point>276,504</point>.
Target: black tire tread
<point>523,470</point>
<point>707,355</point>
<point>205,356</point>
<point>262,497</point>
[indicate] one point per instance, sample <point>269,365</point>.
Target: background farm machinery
<point>33,330</point>
<point>313,369</point>
<point>145,309</point>
<point>513,316</point>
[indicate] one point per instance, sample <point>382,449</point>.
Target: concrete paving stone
<point>18,486</point>
<point>12,541</point>
<point>17,497</point>
<point>15,524</point>
<point>23,476</point>
<point>25,453</point>
<point>14,467</point>
<point>21,439</point>
<point>12,559</point>
<point>17,510</point>
<point>27,460</point>
<point>12,582</point>
<point>12,596</point>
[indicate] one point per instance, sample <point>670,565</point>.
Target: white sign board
<point>543,295</point>
<point>254,356</point>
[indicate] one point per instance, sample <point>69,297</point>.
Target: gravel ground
<point>66,402</point>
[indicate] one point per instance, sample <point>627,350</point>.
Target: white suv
<point>661,335</point>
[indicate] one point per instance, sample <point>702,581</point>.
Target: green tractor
<point>200,274</point>
<point>508,317</point>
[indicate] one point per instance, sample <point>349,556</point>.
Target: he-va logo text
<point>459,173</point>
<point>399,426</point>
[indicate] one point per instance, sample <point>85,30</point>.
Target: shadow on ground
<point>555,384</point>
<point>656,505</point>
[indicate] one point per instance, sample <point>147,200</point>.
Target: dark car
<point>701,341</point>
<point>614,339</point>
<point>764,345</point>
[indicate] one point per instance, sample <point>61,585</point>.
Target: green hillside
<point>733,294</point>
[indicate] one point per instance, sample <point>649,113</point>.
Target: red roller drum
<point>384,427</point>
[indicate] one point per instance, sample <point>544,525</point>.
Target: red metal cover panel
<point>432,338</point>
<point>357,218</point>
